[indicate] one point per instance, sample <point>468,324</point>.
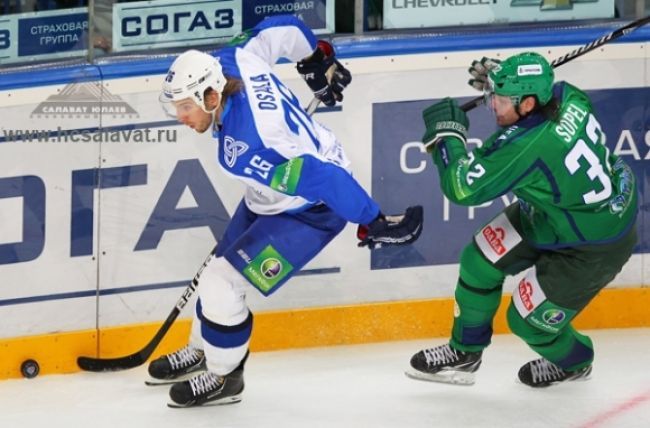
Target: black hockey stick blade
<point>91,364</point>
<point>619,32</point>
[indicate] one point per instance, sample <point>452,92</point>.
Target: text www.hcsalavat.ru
<point>144,135</point>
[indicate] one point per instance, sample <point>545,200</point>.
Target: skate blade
<point>159,382</point>
<point>221,402</point>
<point>553,384</point>
<point>452,377</point>
<point>583,378</point>
<point>152,381</point>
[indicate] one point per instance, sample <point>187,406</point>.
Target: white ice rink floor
<point>355,386</point>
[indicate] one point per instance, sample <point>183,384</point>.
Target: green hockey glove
<point>479,71</point>
<point>444,119</point>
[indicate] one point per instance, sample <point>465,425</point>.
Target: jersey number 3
<point>595,170</point>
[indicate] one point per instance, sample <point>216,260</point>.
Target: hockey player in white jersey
<point>299,193</point>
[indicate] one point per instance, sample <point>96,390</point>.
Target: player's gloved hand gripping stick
<point>619,32</point>
<point>325,75</point>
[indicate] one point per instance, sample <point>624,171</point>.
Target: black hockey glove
<point>314,70</point>
<point>479,71</point>
<point>392,230</point>
<point>341,78</point>
<point>444,119</point>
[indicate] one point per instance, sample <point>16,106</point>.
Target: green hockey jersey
<point>572,190</point>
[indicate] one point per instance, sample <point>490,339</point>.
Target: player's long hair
<point>551,110</point>
<point>233,85</point>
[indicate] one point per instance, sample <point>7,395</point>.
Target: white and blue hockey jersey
<point>288,161</point>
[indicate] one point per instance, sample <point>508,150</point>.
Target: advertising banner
<point>169,23</point>
<point>445,13</point>
<point>317,14</point>
<point>43,35</point>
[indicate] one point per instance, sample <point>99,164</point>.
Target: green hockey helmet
<point>521,75</point>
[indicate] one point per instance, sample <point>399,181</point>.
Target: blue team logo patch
<point>553,316</point>
<point>233,149</point>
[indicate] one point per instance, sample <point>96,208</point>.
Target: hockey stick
<point>140,357</point>
<point>619,32</point>
<point>313,105</point>
<point>315,102</point>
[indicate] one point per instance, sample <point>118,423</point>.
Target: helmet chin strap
<point>214,119</point>
<point>213,114</point>
<point>216,123</point>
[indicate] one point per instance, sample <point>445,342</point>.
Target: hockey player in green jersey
<point>571,229</point>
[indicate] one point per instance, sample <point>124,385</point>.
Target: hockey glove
<point>444,119</point>
<point>479,71</point>
<point>392,230</point>
<point>341,78</point>
<point>314,70</point>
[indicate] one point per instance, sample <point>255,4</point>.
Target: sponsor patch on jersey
<point>550,317</point>
<point>497,238</point>
<point>232,149</point>
<point>533,306</point>
<point>528,295</point>
<point>267,269</point>
<point>286,176</point>
<point>553,316</point>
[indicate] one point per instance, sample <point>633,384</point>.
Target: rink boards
<point>101,230</point>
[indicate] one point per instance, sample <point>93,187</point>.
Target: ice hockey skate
<point>445,364</point>
<point>208,388</point>
<point>541,373</point>
<point>176,367</point>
